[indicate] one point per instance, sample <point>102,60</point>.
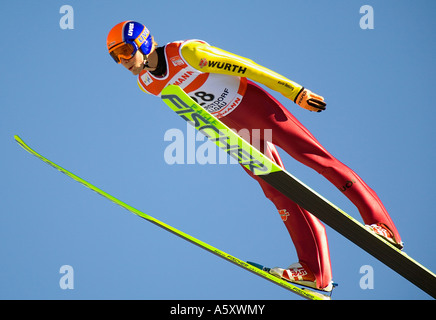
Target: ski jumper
<point>223,84</point>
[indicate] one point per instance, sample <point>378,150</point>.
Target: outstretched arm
<point>206,58</point>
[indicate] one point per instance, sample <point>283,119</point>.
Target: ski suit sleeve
<point>206,58</point>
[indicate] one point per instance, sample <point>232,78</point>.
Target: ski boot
<point>381,230</point>
<point>300,274</point>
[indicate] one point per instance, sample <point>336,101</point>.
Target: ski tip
<point>22,143</point>
<point>19,140</point>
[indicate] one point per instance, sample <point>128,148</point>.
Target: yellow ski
<point>303,292</point>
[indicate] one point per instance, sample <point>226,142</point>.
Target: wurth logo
<point>222,65</point>
<point>203,63</point>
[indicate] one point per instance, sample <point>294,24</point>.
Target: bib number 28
<point>203,96</point>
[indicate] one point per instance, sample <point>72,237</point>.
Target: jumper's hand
<point>310,101</point>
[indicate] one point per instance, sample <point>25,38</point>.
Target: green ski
<point>303,292</point>
<point>297,191</point>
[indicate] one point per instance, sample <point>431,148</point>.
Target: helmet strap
<point>145,63</point>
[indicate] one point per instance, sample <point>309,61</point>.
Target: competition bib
<point>217,93</point>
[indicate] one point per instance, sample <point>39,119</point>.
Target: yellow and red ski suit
<point>223,83</point>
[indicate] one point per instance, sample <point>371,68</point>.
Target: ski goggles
<point>123,50</point>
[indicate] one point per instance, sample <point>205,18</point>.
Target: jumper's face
<point>135,64</point>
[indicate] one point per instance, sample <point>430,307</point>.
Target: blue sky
<point>62,93</point>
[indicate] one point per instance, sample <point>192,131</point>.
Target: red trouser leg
<point>307,232</point>
<point>259,110</point>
